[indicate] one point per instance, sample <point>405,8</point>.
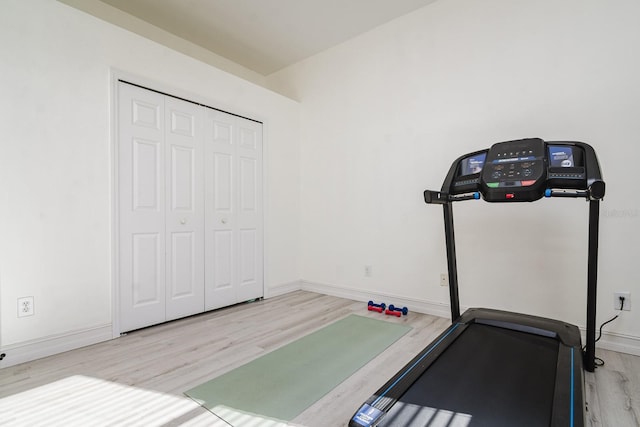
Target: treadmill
<point>490,367</point>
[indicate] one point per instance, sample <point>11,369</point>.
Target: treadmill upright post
<point>592,288</point>
<point>451,260</point>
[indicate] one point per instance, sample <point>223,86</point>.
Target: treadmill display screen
<point>472,164</point>
<point>561,156</point>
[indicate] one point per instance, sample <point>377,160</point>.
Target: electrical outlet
<point>444,280</point>
<point>368,271</point>
<point>617,303</point>
<point>25,307</point>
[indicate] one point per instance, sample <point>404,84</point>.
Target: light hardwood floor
<point>139,378</point>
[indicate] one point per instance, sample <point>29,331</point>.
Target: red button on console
<point>510,195</point>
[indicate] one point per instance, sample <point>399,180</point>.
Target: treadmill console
<point>522,171</point>
<point>515,171</point>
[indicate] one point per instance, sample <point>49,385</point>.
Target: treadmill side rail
<point>569,399</point>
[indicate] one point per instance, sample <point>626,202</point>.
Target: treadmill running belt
<point>489,376</point>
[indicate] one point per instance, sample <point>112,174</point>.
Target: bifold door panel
<point>189,208</point>
<point>233,203</point>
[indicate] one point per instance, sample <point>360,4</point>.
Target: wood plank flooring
<point>138,379</point>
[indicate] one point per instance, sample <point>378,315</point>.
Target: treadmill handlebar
<point>549,192</point>
<point>595,192</point>
<point>436,197</point>
<point>442,197</point>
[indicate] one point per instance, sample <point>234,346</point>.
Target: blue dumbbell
<point>381,305</point>
<point>403,310</point>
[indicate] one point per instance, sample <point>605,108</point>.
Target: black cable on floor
<point>598,361</point>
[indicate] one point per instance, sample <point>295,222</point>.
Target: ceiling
<point>266,35</point>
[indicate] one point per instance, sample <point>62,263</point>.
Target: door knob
<point>183,221</point>
<point>224,220</point>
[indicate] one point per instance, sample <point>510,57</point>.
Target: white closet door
<point>250,234</point>
<point>184,208</point>
<point>233,198</point>
<point>220,195</point>
<point>141,189</point>
<point>190,208</point>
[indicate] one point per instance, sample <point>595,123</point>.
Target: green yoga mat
<point>285,382</point>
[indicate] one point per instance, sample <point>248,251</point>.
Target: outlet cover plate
<point>25,307</point>
<point>444,280</point>
<point>627,301</point>
<point>368,271</point>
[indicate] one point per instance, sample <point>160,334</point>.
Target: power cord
<point>598,361</point>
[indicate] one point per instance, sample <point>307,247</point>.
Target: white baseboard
<point>621,343</point>
<point>282,289</point>
<point>413,304</point>
<point>47,346</point>
<point>610,340</point>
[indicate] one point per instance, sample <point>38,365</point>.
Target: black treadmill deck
<point>490,368</point>
<point>483,377</point>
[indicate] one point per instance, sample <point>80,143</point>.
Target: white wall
<point>385,114</point>
<point>55,165</point>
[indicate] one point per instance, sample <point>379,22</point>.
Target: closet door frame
<point>116,76</point>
